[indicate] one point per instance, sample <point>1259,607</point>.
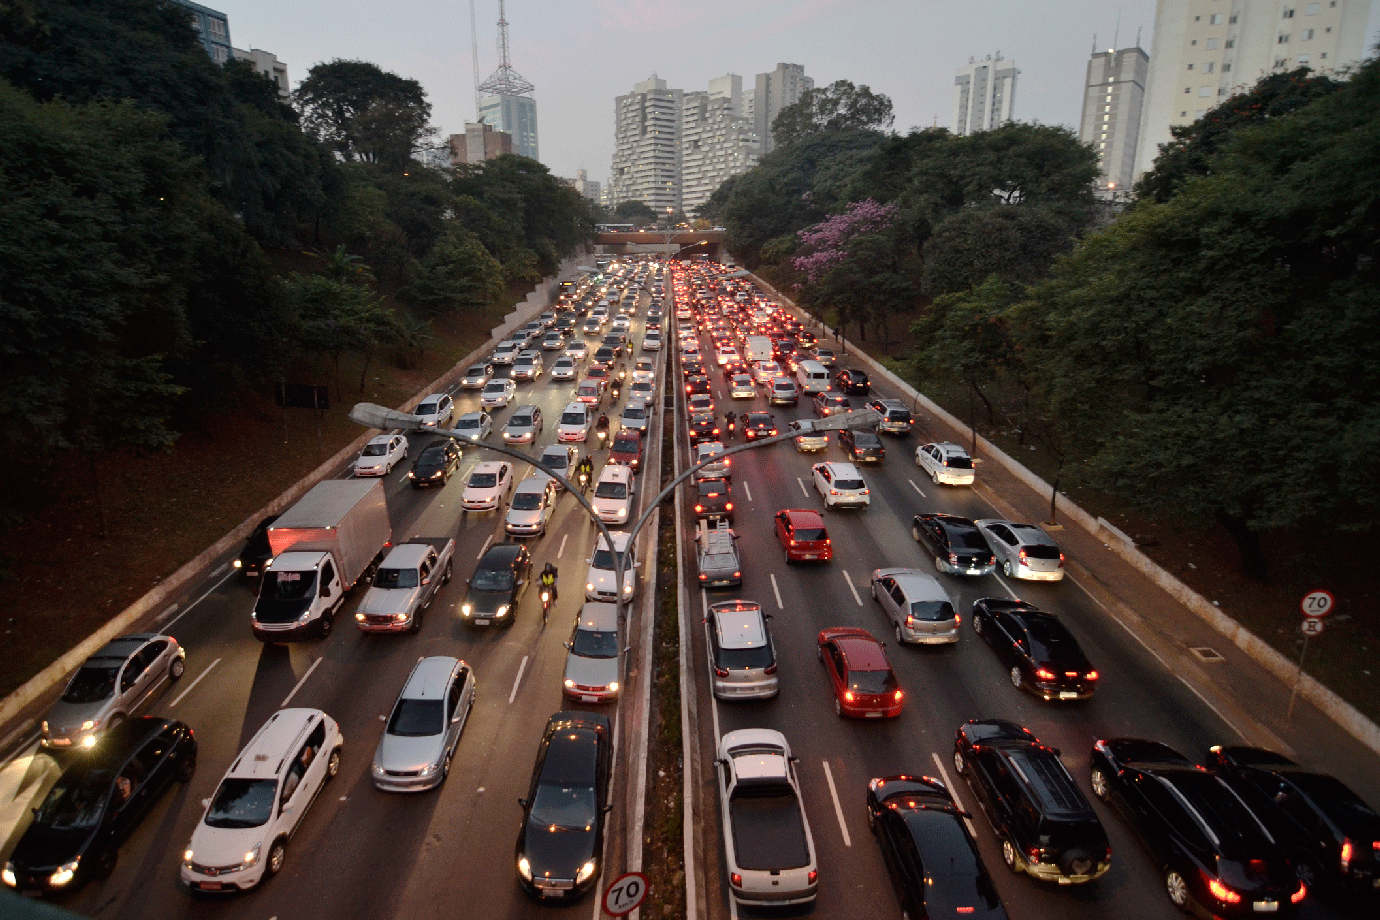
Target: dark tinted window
<point>417,717</point>
<point>872,681</point>
<point>959,463</point>
<point>809,534</point>
<point>590,643</point>
<point>932,611</point>
<point>1042,551</point>
<point>91,684</point>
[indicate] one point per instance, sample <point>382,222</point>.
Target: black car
<point>931,857</point>
<point>1046,827</point>
<point>434,465</point>
<point>862,445</point>
<point>714,500</point>
<point>603,356</point>
<point>696,384</point>
<point>615,340</point>
<point>256,552</point>
<point>97,802</point>
<point>562,835</point>
<point>852,381</point>
<point>692,367</point>
<point>498,583</point>
<point>703,427</point>
<point>1216,855</point>
<point>758,425</point>
<point>956,544</point>
<point>1332,835</point>
<point>1041,654</point>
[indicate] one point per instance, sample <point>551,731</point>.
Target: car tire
<point>897,629</point>
<point>445,579</point>
<point>1177,889</point>
<point>117,719</point>
<point>177,668</point>
<point>938,564</point>
<point>1016,679</point>
<point>186,770</point>
<point>1100,788</point>
<point>105,864</point>
<point>327,622</point>
<point>935,476</point>
<point>333,764</point>
<point>1006,568</point>
<point>977,624</point>
<point>960,764</point>
<point>277,855</point>
<point>445,765</point>
<point>1008,855</point>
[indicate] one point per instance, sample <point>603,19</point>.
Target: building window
<point>1232,20</point>
<point>1190,66</point>
<point>1230,43</point>
<point>1306,35</point>
<point>1211,44</point>
<point>1283,38</point>
<point>1204,91</point>
<point>1207,68</point>
<point>1226,68</point>
<point>1302,59</point>
<point>1188,89</point>
<point>1215,19</point>
<point>1310,10</point>
<point>1288,14</point>
<point>1193,42</point>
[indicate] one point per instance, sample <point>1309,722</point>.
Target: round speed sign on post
<point>625,893</point>
<point>1317,604</point>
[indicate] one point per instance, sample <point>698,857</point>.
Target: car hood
<point>408,752</point>
<point>44,847</point>
<point>591,672</point>
<point>557,852</point>
<point>480,495</point>
<point>524,516</point>
<point>225,846</point>
<point>386,601</point>
<point>482,602</point>
<point>66,718</point>
<point>602,579</point>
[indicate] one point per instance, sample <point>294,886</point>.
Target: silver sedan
<point>110,686</point>
<point>425,726</point>
<point>1023,550</point>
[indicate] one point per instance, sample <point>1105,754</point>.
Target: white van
<point>812,376</point>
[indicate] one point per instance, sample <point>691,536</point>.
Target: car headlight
<point>613,686</point>
<point>586,871</point>
<point>64,873</point>
<point>429,769</point>
<point>502,611</point>
<point>377,771</point>
<point>524,868</point>
<point>89,741</point>
<point>89,724</point>
<point>238,564</point>
<point>7,875</point>
<point>589,586</point>
<point>466,609</point>
<point>251,857</point>
<point>569,684</point>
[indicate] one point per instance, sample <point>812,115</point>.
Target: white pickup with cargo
<point>770,853</point>
<point>720,564</point>
<point>405,585</point>
<point>756,348</point>
<point>333,538</point>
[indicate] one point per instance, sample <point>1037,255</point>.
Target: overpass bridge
<point>682,243</point>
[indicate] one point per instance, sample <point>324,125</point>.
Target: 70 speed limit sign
<point>1318,604</point>
<point>625,893</point>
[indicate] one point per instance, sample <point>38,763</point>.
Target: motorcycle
<point>601,431</point>
<point>545,603</point>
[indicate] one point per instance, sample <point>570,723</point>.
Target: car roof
<point>383,439</point>
<point>555,450</point>
<point>525,409</point>
<point>489,466</point>
<point>862,652</point>
<point>839,468</point>
<point>500,556</point>
<point>599,616</point>
<point>535,483</point>
<point>620,538</point>
<point>429,678</point>
<point>916,584</point>
<point>804,516</point>
<point>121,648</point>
<point>407,554</point>
<point>273,746</point>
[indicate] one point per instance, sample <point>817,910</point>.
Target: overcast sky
<point>581,54</point>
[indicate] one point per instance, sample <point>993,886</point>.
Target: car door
<point>303,778</point>
<point>424,573</point>
<point>133,681</point>
<point>457,704</point>
<point>1005,637</point>
<point>783,529</point>
<point>896,603</point>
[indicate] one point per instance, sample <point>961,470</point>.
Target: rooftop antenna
<point>474,57</point>
<point>1116,36</point>
<point>505,81</point>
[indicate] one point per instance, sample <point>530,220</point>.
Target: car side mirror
<point>567,645</point>
<point>606,809</point>
<point>522,802</point>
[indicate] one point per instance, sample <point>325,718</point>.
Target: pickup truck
<point>405,585</point>
<point>720,565</point>
<point>770,853</point>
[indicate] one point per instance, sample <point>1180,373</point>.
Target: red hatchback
<point>803,535</point>
<point>863,682</point>
<point>627,449</point>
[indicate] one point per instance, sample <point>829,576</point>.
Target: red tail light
<point>848,696</point>
<point>721,672</point>
<point>813,876</point>
<point>1092,675</point>
<point>769,669</point>
<point>1061,560</point>
<point>958,620</point>
<point>735,880</point>
<point>1044,674</point>
<point>1346,853</point>
<point>728,506</point>
<point>1297,896</point>
<point>1222,893</point>
<point>699,508</point>
<point>896,696</point>
<point>1024,560</point>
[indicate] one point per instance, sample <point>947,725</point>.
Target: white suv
<point>948,464</point>
<point>613,494</point>
<point>262,800</point>
<point>840,484</point>
<point>574,424</point>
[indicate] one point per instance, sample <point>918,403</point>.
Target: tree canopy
<point>840,106</point>
<point>364,113</point>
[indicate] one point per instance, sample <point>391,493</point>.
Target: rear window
<point>871,681</point>
<point>932,611</point>
<point>810,534</point>
<point>848,483</point>
<point>958,463</point>
<point>898,415</point>
<point>738,659</point>
<point>1042,551</point>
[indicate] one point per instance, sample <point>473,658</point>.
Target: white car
<point>594,663</point>
<point>562,458</point>
<point>564,368</point>
<point>635,416</point>
<point>766,372</point>
<point>474,426</point>
<point>1023,550</point>
<point>487,485</point>
<point>642,390</point>
<point>260,803</point>
<point>651,341</point>
<point>497,393</point>
<point>578,350</point>
<point>380,455</point>
<point>644,369</point>
<point>726,354</point>
<point>621,324</point>
<point>948,464</point>
<point>576,419</point>
<point>524,425</point>
<point>613,494</point>
<point>528,366</point>
<point>477,376</point>
<point>840,484</point>
<point>552,341</point>
<point>599,583</point>
<point>436,411</point>
<point>718,467</point>
<point>506,352</point>
<point>531,506</point>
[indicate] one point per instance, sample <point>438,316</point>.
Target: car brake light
<point>958,620</point>
<point>910,622</point>
<point>1044,674</point>
<point>703,576</point>
<point>1092,675</point>
<point>1032,854</point>
<point>1070,673</point>
<point>963,910</point>
<point>953,558</point>
<point>728,506</point>
<point>1024,560</point>
<point>769,669</point>
<point>896,696</point>
<point>1297,896</point>
<point>1222,893</point>
<point>1346,853</point>
<point>721,672</point>
<point>1061,560</point>
<point>813,876</point>
<point>848,696</point>
<point>735,880</point>
<point>699,508</point>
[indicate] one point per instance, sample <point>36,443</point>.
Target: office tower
<point>772,93</point>
<point>1112,100</point>
<point>587,186</point>
<point>716,140</point>
<point>480,142</point>
<point>646,156</point>
<point>984,94</point>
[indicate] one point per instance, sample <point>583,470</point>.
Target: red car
<point>803,535</point>
<point>863,682</point>
<point>627,449</point>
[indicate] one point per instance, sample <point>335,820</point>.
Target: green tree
<point>633,212</point>
<point>336,317</point>
<point>972,244</point>
<point>364,113</point>
<point>840,106</point>
<point>457,273</point>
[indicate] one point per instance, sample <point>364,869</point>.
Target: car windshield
<point>472,421</point>
<point>591,643</point>
<point>871,681</point>
<point>573,418</point>
<point>287,586</point>
<point>375,450</point>
<point>492,579</point>
<point>483,480</point>
<point>417,718</point>
<point>70,806</point>
<point>603,559</point>
<point>432,456</point>
<point>241,803</point>
<point>498,387</point>
<point>611,489</point>
<point>91,684</point>
<point>932,611</point>
<point>564,806</point>
<point>521,421</point>
<point>557,462</point>
<point>396,578</point>
<point>625,445</point>
<point>635,412</point>
<point>476,370</point>
<point>527,501</point>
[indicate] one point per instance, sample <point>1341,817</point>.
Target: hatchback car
<point>757,425</point>
<point>600,581</point>
<point>424,726</point>
<point>626,449</point>
<point>499,582</point>
<point>497,393</point>
<point>783,392</point>
<point>476,376</point>
<point>594,655</point>
<point>853,382</point>
<point>1046,827</point>
<point>948,464</point>
<point>474,426</point>
<point>862,680</point>
<point>613,494</point>
<point>715,464</point>
<point>916,605</point>
<point>862,445</point>
<point>651,341</point>
<point>435,464</point>
<point>802,534</point>
<point>896,417</point>
<point>1215,855</point>
<point>524,425</point>
<point>1023,550</point>
<point>561,839</point>
<point>380,455</point>
<point>635,417</point>
<point>576,419</point>
<point>553,340</point>
<point>577,350</point>
<point>713,500</point>
<point>489,482</point>
<point>703,427</point>
<point>955,543</point>
<point>531,507</point>
<point>562,458</point>
<point>505,353</point>
<point>435,411</point>
<point>111,686</point>
<point>808,438</point>
<point>256,553</point>
<point>97,802</point>
<point>840,485</point>
<point>826,356</point>
<point>742,657</point>
<point>564,368</point>
<point>830,403</point>
<point>929,852</point>
<point>1041,653</point>
<point>741,386</point>
<point>644,369</point>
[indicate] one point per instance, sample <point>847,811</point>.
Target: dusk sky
<point>581,54</point>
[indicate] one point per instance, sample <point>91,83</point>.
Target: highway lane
<point>945,686</point>
<point>362,853</point>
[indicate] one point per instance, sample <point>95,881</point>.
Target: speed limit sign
<point>1318,604</point>
<point>625,893</point>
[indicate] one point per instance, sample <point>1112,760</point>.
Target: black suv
<point>895,416</point>
<point>862,445</point>
<point>852,382</point>
<point>1046,826</point>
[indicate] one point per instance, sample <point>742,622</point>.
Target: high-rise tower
<point>505,99</point>
<point>1112,98</point>
<point>984,94</point>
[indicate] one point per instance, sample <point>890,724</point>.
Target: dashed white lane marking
<point>747,491</point>
<point>561,549</point>
<point>192,685</point>
<point>485,548</point>
<point>953,790</point>
<point>838,809</point>
<point>289,697</point>
<point>777,591</point>
<point>915,487</point>
<point>517,681</point>
<point>803,491</point>
<point>851,588</point>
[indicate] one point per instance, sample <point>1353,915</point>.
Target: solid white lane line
<point>203,597</point>
<point>561,549</point>
<point>193,684</point>
<point>838,809</point>
<point>747,491</point>
<point>289,697</point>
<point>167,612</point>
<point>851,588</point>
<point>915,487</point>
<point>485,548</point>
<point>777,591</point>
<point>222,568</point>
<point>803,491</point>
<point>953,790</point>
<point>517,680</point>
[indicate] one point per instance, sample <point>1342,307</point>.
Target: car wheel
<point>327,621</point>
<point>872,822</point>
<point>1016,678</point>
<point>445,579</point>
<point>1008,855</point>
<point>117,719</point>
<point>186,770</point>
<point>897,629</point>
<point>105,865</point>
<point>977,624</point>
<point>938,564</point>
<point>1099,784</point>
<point>277,854</point>
<point>445,765</point>
<point>177,668</point>
<point>1177,889</point>
<point>960,764</point>
<point>333,764</point>
<point>935,476</point>
<point>915,532</point>
<point>416,626</point>
<point>1006,568</point>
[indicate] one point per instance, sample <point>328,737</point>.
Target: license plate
<point>481,622</point>
<point>210,886</point>
<point>589,699</point>
<point>973,570</point>
<point>1265,907</point>
<point>809,556</point>
<point>1067,695</point>
<point>874,715</point>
